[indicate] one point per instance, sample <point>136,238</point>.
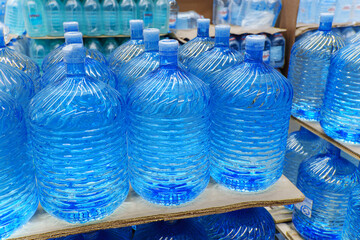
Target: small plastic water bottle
<point>93,18</point>
<point>174,11</point>
<point>35,21</point>
<point>208,64</point>
<point>343,11</point>
<point>127,13</point>
<point>198,45</point>
<point>277,50</point>
<point>82,131</point>
<point>351,229</point>
<point>327,181</point>
<point>309,68</point>
<point>74,12</point>
<point>251,223</point>
<point>161,17</point>
<point>54,10</point>
<point>2,10</point>
<point>145,11</point>
<point>38,50</point>
<point>166,139</point>
<point>109,46</point>
<point>274,7</point>
<point>111,17</point>
<point>221,11</point>
<point>327,6</point>
<point>14,17</point>
<point>239,101</point>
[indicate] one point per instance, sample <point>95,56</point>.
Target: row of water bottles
<point>96,124</point>
<point>109,17</point>
<point>344,10</point>
<point>247,13</point>
<point>330,181</point>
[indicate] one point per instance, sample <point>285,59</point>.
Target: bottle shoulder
<point>12,115</point>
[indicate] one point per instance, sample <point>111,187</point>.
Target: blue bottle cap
<point>151,35</point>
<point>255,43</point>
<point>73,37</point>
<point>136,28</point>
<point>168,47</point>
<point>222,31</point>
<point>71,26</point>
<point>203,23</point>
<point>74,53</point>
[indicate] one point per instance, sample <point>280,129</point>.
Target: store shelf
<point>288,231</point>
<point>303,28</point>
<point>135,210</point>
<point>280,214</point>
<point>351,149</point>
<point>85,36</point>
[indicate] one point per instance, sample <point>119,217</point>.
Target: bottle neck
<point>222,41</point>
<point>169,61</point>
<point>325,26</point>
<point>75,69</point>
<point>254,56</point>
<point>203,32</point>
<point>2,42</point>
<point>152,46</point>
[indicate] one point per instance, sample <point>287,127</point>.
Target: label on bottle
<point>276,53</point>
<point>172,21</point>
<point>305,207</point>
<point>223,13</point>
<point>148,18</point>
<point>331,9</point>
<point>346,8</point>
<point>34,16</point>
<point>266,56</point>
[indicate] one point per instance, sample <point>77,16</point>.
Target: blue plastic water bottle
<point>109,234</point>
<point>74,12</point>
<point>145,11</point>
<point>198,45</point>
<point>274,7</point>
<point>184,229</point>
<point>351,226</point>
<point>129,49</point>
<point>168,121</point>
<point>327,181</point>
<point>343,11</point>
<point>245,224</point>
<point>141,65</point>
<point>111,17</point>
<point>94,44</point>
<point>93,18</point>
<point>39,48</point>
<point>18,196</point>
<point>14,17</point>
<point>35,19</point>
<point>161,15</point>
<point>208,64</point>
<point>77,129</point>
<point>127,13</point>
<point>109,46</point>
<point>277,50</point>
<point>54,10</point>
<point>248,154</point>
<point>309,68</point>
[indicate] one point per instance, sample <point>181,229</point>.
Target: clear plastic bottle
<point>54,10</point>
<point>39,48</point>
<point>234,9</point>
<point>277,50</point>
<point>139,66</point>
<point>274,7</point>
<point>340,112</point>
<point>267,49</point>
<point>35,20</point>
<point>2,10</point>
<point>250,120</point>
<point>309,68</point>
<point>93,18</point>
<point>129,49</point>
<point>127,13</point>
<point>243,10</point>
<point>348,33</point>
<point>174,137</point>
<point>327,181</point>
<point>198,45</point>
<point>343,11</point>
<point>74,12</point>
<point>356,11</point>
<point>145,11</point>
<point>184,229</point>
<point>174,11</point>
<point>257,15</point>
<point>161,17</point>
<point>77,131</point>
<point>245,224</point>
<point>110,45</point>
<point>351,226</point>
<point>111,17</point>
<point>208,64</point>
<point>94,44</point>
<point>14,17</point>
<point>221,11</point>
<point>327,6</point>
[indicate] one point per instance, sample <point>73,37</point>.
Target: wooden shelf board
<point>351,149</point>
<point>280,214</point>
<point>288,231</point>
<point>85,36</point>
<point>215,199</point>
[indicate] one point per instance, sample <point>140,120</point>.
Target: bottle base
<point>306,115</point>
<point>340,134</point>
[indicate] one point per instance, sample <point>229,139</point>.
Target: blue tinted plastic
<point>18,197</point>
<point>54,10</point>
<point>250,119</point>
<point>277,51</point>
<point>74,11</point>
<point>109,234</point>
<point>34,15</point>
<point>77,131</point>
<point>14,17</point>
<point>92,18</point>
<point>168,130</point>
<point>245,224</point>
<point>198,45</point>
<point>93,44</point>
<point>111,17</point>
<point>161,15</point>
<point>208,64</point>
<point>309,68</point>
<point>351,227</point>
<point>327,181</point>
<point>343,11</point>
<point>127,13</point>
<point>184,229</point>
<point>109,46</point>
<point>145,11</point>
<point>340,112</point>
<point>39,49</point>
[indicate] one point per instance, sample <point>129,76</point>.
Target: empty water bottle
<point>78,123</point>
<point>174,11</point>
<point>327,181</point>
<point>184,229</point>
<point>277,50</point>
<point>256,14</point>
<point>355,38</point>
<point>309,68</point>
<point>351,226</point>
<point>343,11</point>
<point>18,196</point>
<point>240,100</point>
<point>142,64</point>
<point>35,20</point>
<point>174,137</point>
<point>198,45</point>
<point>221,11</point>
<point>145,11</point>
<point>245,224</point>
<point>111,17</point>
<point>208,64</point>
<point>161,17</point>
<point>109,46</point>
<point>127,13</point>
<point>129,49</point>
<point>92,18</point>
<point>14,17</point>
<point>74,12</point>
<point>306,12</point>
<point>2,10</point>
<point>54,10</point>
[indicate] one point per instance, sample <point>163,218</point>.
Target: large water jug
<point>248,154</point>
<point>110,45</point>
<point>340,117</point>
<point>111,17</point>
<point>77,130</point>
<point>245,224</point>
<point>351,226</point>
<point>184,229</point>
<point>35,19</point>
<point>210,63</point>
<point>127,13</point>
<point>309,68</point>
<point>18,196</point>
<point>109,234</point>
<point>327,181</point>
<point>161,15</point>
<point>300,146</point>
<point>343,11</point>
<point>54,10</point>
<point>93,18</point>
<point>14,17</point>
<point>142,64</point>
<point>18,60</point>
<point>198,45</point>
<point>129,49</point>
<point>93,68</point>
<point>145,11</point>
<point>174,136</point>
<point>326,6</point>
<point>74,12</point>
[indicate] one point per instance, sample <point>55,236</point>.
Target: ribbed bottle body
<point>193,48</point>
<point>93,18</point>
<point>111,17</point>
<point>351,227</point>
<point>54,10</point>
